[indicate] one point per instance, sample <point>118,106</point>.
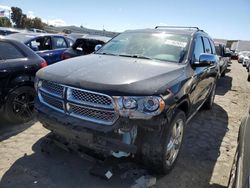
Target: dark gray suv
<point>132,97</point>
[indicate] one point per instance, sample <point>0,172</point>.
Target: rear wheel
<point>160,150</point>
<point>223,73</point>
<point>210,100</point>
<point>20,105</point>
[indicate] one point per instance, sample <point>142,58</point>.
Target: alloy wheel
<point>175,141</point>
<point>23,106</point>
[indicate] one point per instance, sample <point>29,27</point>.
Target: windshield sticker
<point>176,43</point>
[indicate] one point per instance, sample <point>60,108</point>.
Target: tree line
<point>21,21</point>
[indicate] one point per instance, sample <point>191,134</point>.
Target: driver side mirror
<point>206,60</point>
<point>97,47</point>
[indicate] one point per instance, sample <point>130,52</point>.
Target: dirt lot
<point>205,160</point>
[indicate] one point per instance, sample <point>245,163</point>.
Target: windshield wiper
<point>136,56</point>
<point>107,54</point>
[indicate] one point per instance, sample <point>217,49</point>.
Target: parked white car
<point>241,56</point>
<point>245,60</point>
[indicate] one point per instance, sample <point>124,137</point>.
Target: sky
<point>225,19</point>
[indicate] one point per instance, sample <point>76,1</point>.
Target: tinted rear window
<point>9,51</point>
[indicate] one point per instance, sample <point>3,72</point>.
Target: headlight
<point>151,104</point>
<point>139,107</point>
<point>37,84</point>
<point>129,103</point>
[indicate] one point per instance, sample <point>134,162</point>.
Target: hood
<point>114,74</point>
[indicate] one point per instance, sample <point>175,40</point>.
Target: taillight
<point>43,64</point>
<point>65,56</point>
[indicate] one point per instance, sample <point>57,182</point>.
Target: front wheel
<point>161,150</point>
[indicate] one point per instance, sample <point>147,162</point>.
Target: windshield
<point>159,46</point>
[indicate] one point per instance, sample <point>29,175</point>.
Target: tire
<point>248,77</point>
<point>19,105</point>
<point>210,100</point>
<point>223,73</point>
<point>156,147</point>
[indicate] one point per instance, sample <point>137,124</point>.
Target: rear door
<point>59,45</point>
<point>11,63</point>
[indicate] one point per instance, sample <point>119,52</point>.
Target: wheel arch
<point>19,81</point>
<point>184,105</point>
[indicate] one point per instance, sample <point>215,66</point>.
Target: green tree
<point>5,22</point>
<point>16,16</point>
<point>29,23</point>
<point>23,23</point>
<point>37,23</point>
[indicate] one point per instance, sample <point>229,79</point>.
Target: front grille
<point>51,101</point>
<point>103,116</point>
<point>89,97</point>
<point>79,103</point>
<point>52,88</point>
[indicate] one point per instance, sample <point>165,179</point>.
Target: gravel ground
<point>205,161</point>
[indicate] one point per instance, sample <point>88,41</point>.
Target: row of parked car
<point>244,59</point>
<point>132,97</point>
<point>22,54</point>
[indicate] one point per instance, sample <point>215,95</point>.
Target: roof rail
<point>177,27</point>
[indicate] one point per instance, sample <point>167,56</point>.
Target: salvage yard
<point>206,158</point>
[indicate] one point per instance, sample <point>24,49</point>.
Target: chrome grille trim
<point>79,103</point>
<point>89,98</point>
<point>106,117</point>
<point>52,88</point>
<point>51,102</point>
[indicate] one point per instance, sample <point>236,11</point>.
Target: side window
<point>207,45</point>
<point>59,42</point>
<point>212,47</point>
<point>9,51</point>
<point>41,44</point>
<point>34,45</point>
<point>198,49</point>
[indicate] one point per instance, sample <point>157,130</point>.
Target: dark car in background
<point>224,57</point>
<point>133,96</point>
<point>48,46</point>
<point>240,174</point>
<point>234,55</point>
<point>18,66</point>
<point>85,45</point>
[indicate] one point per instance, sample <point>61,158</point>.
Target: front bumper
<point>98,137</point>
